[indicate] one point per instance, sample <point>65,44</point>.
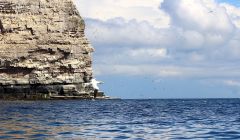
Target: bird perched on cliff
<point>95,83</point>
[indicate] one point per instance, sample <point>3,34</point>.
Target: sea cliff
<point>44,53</point>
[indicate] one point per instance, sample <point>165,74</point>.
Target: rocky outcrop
<point>43,50</point>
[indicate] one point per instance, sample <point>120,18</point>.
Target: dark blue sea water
<point>121,119</point>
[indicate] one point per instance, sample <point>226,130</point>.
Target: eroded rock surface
<point>43,50</point>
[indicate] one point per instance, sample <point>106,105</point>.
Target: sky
<point>165,48</point>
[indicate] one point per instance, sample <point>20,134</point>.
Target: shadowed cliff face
<point>42,42</point>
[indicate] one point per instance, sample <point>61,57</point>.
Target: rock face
<point>43,50</point>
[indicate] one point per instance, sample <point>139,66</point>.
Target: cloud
<point>233,12</point>
<point>158,53</point>
<point>140,10</point>
<point>170,38</point>
<point>209,21</point>
<point>128,33</point>
<point>200,15</point>
<point>140,70</point>
<point>179,71</point>
<point>233,83</point>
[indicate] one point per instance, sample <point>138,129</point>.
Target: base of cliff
<point>46,92</point>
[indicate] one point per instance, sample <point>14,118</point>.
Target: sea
<point>121,119</point>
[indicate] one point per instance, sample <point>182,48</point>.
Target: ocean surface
<point>121,119</point>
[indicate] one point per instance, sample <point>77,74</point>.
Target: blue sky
<point>165,48</point>
<point>232,2</point>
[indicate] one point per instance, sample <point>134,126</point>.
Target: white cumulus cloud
<point>159,53</point>
<point>201,15</point>
<point>141,10</point>
<point>233,12</point>
<point>186,38</point>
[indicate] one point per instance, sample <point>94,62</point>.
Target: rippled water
<point>121,119</point>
